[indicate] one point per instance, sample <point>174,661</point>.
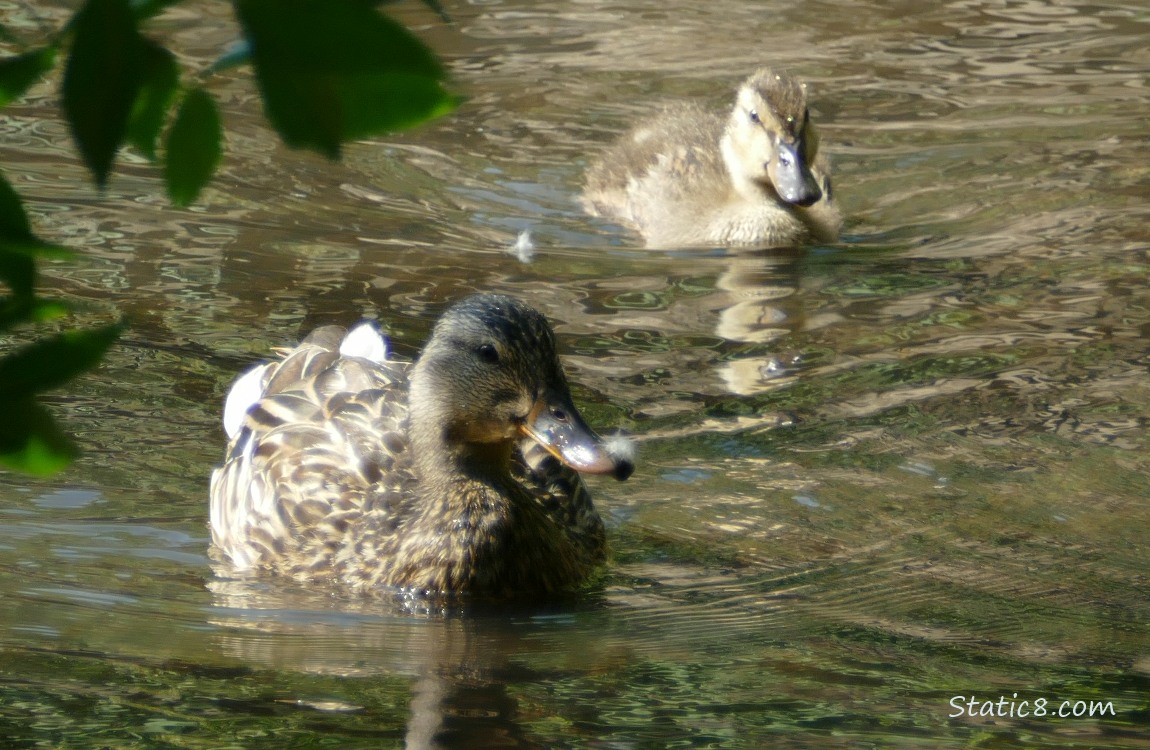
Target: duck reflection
<point>460,660</point>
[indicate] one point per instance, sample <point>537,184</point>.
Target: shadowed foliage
<point>328,72</point>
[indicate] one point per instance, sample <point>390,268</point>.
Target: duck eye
<point>754,115</point>
<point>488,353</point>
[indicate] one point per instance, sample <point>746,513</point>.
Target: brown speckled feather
<point>322,482</point>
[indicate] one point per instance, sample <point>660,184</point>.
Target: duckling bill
<point>456,474</point>
<point>690,177</point>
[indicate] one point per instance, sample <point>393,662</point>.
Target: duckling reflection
<point>690,178</point>
<point>758,306</point>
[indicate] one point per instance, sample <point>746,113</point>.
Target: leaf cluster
<point>29,439</point>
<point>329,71</point>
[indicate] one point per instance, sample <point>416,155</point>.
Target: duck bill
<point>792,177</point>
<point>558,428</point>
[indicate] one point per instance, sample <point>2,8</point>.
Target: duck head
<point>489,377</point>
<point>770,139</point>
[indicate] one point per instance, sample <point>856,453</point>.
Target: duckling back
<point>666,177</point>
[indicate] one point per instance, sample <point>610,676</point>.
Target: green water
<point>877,480</point>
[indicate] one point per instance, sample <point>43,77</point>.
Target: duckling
<point>688,177</point>
<point>456,474</point>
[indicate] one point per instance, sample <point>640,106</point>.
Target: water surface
<point>877,479</point>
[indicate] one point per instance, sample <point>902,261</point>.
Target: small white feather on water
<point>524,247</point>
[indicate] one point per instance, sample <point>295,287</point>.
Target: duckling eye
<point>488,353</point>
<point>754,115</point>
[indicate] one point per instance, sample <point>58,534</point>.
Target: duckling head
<point>770,140</point>
<point>490,376</point>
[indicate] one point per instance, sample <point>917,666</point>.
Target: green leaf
<point>14,228</point>
<point>101,80</point>
<point>15,233</point>
<point>51,362</point>
<point>18,271</point>
<point>19,72</point>
<point>331,72</point>
<point>46,309</point>
<point>26,308</point>
<point>160,77</point>
<point>31,441</point>
<point>17,266</point>
<point>193,147</point>
<point>423,99</point>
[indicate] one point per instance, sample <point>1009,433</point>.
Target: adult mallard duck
<point>690,177</point>
<point>453,474</point>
